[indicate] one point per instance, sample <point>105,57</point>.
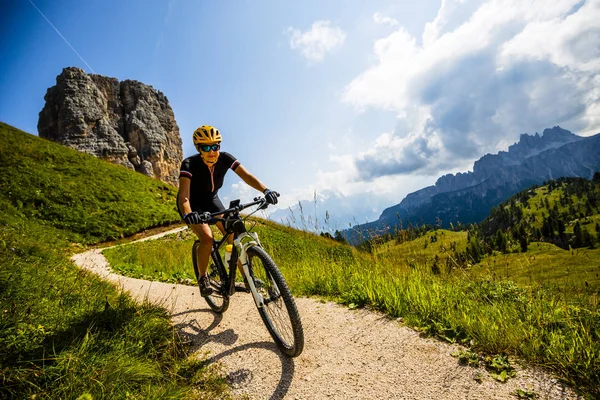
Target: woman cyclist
<point>200,178</point>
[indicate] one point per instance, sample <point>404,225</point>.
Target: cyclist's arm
<point>184,195</point>
<point>250,179</point>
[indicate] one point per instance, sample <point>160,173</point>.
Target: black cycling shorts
<point>210,204</point>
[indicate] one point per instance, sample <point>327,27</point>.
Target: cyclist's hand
<point>205,217</point>
<point>271,196</point>
<point>192,218</point>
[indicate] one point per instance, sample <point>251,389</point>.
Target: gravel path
<point>348,354</point>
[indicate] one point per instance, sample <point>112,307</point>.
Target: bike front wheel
<point>279,312</point>
<point>218,301</point>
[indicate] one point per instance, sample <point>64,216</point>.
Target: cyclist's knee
<point>204,234</point>
<point>206,241</point>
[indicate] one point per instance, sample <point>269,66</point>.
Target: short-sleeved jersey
<point>206,182</point>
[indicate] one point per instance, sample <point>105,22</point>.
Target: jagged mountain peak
<point>529,145</point>
<point>558,134</point>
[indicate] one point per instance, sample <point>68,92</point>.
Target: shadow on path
<point>196,336</point>
<point>192,333</point>
<point>242,377</point>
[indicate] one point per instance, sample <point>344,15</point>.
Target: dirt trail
<point>348,354</point>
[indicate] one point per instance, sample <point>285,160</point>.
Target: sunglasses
<point>208,147</point>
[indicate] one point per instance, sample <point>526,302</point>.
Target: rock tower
<point>127,123</point>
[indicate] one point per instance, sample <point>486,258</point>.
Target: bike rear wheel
<point>218,301</point>
<point>279,312</point>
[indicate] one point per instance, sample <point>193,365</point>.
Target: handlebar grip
<point>205,217</point>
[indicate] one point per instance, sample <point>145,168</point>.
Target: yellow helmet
<point>206,134</point>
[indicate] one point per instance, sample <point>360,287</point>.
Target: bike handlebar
<point>207,216</point>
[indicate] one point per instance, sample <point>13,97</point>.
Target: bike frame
<point>242,241</point>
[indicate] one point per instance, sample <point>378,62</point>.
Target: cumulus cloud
<point>315,43</point>
<point>483,73</point>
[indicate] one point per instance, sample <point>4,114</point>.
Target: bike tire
<point>279,313</point>
<point>218,301</point>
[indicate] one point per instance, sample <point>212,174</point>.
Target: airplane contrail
<point>63,38</point>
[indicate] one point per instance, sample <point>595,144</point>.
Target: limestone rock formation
<point>127,123</point>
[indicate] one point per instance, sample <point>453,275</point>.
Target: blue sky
<point>352,103</point>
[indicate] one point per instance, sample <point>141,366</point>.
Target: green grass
<point>167,259</point>
<point>423,251</point>
<point>63,332</point>
<point>548,264</point>
<point>88,199</point>
<point>548,321</point>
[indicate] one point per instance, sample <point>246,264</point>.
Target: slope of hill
<point>565,212</point>
<point>90,200</point>
<point>468,197</point>
<point>63,332</point>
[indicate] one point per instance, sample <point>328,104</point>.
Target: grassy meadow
<point>540,307</point>
<point>64,333</point>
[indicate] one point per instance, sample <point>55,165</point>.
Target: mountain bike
<point>262,277</point>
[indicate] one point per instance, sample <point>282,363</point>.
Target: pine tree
<point>561,227</point>
<point>474,250</point>
<point>522,237</point>
<point>500,241</point>
<point>588,240</point>
<point>435,268</point>
<point>578,235</point>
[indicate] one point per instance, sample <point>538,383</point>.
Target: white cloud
<point>452,14</point>
<point>240,190</point>
<point>384,20</point>
<point>572,42</point>
<point>484,73</point>
<point>315,43</point>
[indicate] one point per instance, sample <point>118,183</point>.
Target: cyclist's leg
<point>205,237</point>
<point>203,231</point>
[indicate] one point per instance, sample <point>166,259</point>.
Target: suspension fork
<point>243,258</point>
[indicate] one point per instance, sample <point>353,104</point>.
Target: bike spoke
<point>275,308</point>
<point>281,320</point>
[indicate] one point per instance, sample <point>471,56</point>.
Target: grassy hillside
<point>541,306</point>
<point>565,212</point>
<point>88,199</point>
<point>63,332</point>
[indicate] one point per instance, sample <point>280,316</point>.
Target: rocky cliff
<point>127,123</point>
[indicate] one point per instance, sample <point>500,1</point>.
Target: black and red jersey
<point>206,181</point>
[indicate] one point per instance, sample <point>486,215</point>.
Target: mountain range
<point>468,197</point>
